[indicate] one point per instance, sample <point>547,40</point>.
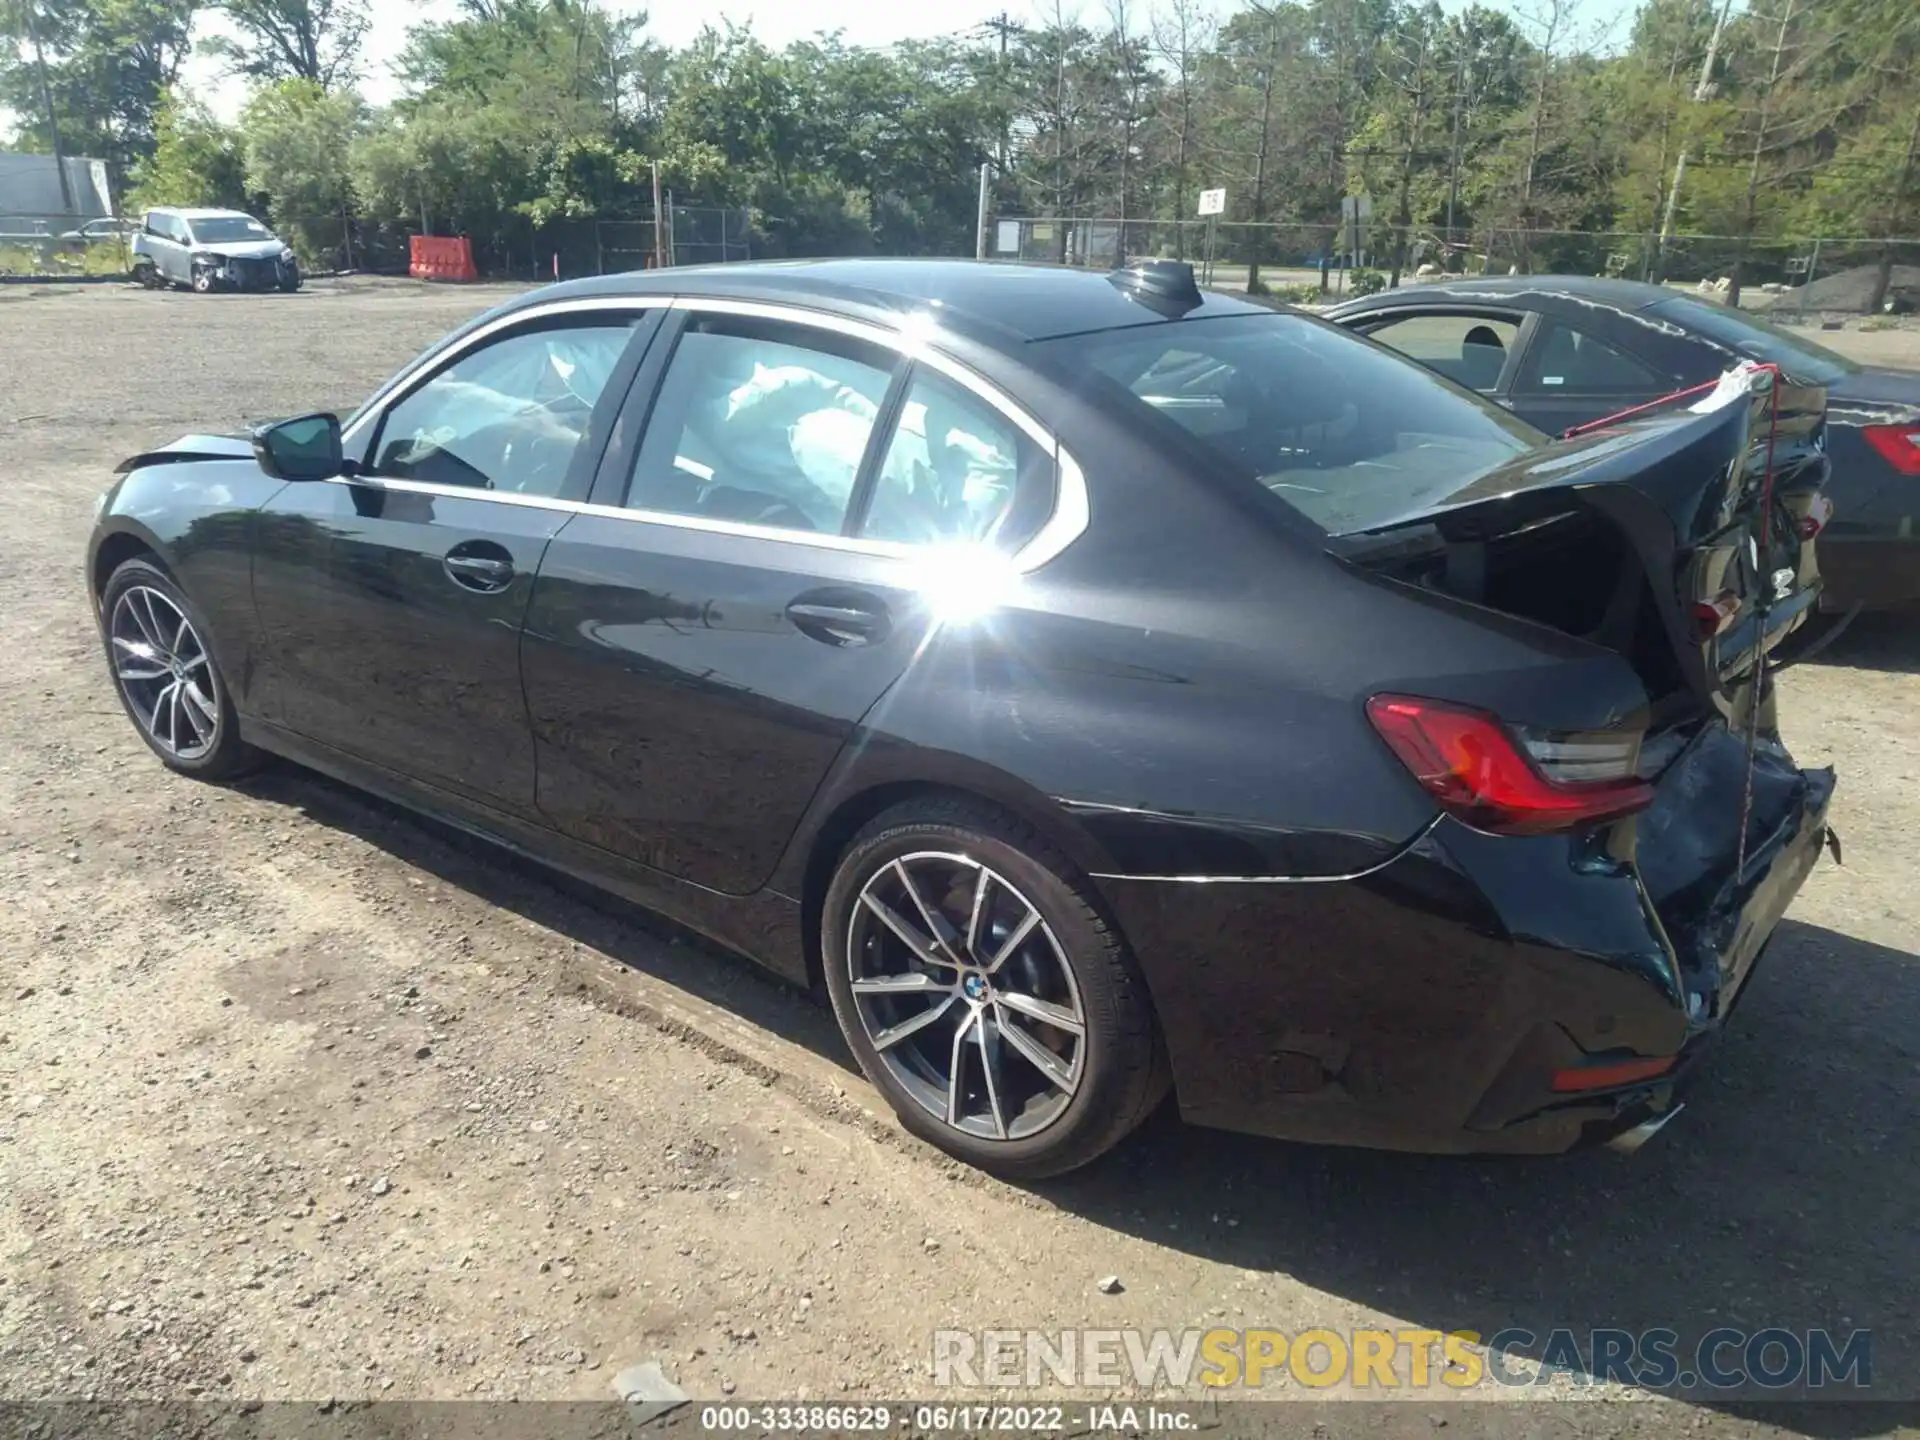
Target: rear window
<point>1769,344</point>
<point>1348,433</point>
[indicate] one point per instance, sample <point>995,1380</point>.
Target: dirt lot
<point>300,1098</point>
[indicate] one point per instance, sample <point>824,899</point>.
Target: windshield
<point>1756,339</point>
<point>1347,432</point>
<point>229,228</point>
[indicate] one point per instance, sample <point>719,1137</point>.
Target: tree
<point>195,161</point>
<point>298,139</point>
<point>108,64</point>
<point>1183,35</point>
<point>1871,185</point>
<point>317,40</point>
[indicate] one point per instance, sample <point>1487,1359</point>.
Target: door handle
<point>473,567</point>
<point>840,619</point>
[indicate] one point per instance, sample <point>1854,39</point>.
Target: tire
<point>203,282</point>
<point>1030,1104</point>
<point>150,657</point>
<point>147,276</point>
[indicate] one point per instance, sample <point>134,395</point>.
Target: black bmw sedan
<point>1094,686</point>
<point>1561,351</point>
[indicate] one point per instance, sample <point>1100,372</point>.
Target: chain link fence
<point>59,246</point>
<point>65,246</point>
<point>1803,274</point>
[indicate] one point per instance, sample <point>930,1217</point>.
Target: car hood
<point>187,448</point>
<point>243,249</point>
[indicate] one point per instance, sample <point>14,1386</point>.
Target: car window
<point>1348,433</point>
<point>1756,339</point>
<point>505,417</point>
<point>760,422</point>
<point>226,229</point>
<point>954,469</point>
<point>1569,361</point>
<point>1470,350</point>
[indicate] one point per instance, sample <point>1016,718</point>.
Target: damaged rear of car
<point>1612,840</point>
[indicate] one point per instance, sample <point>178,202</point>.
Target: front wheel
<point>203,282</point>
<point>166,676</point>
<point>985,995</point>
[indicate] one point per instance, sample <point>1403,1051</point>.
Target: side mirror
<point>307,448</point>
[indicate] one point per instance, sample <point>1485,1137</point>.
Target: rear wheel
<point>984,994</point>
<point>166,676</point>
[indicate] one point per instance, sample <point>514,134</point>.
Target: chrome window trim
<point>424,368</point>
<point>888,549</point>
<point>1072,509</point>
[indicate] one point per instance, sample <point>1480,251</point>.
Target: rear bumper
<point>1426,1005</point>
<point>1872,571</point>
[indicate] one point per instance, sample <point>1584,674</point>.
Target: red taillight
<point>1712,617</point>
<point>1470,762</point>
<point>1816,518</point>
<point>1612,1073</point>
<point>1899,445</point>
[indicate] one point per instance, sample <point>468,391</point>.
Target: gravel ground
<point>303,1099</point>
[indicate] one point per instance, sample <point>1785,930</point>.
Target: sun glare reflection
<point>963,584</point>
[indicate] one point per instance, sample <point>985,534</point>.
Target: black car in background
<point>1560,351</point>
<point>1095,686</point>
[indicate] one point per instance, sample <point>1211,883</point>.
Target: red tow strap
<point>1632,410</point>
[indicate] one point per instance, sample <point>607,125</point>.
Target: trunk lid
<point>1653,538</point>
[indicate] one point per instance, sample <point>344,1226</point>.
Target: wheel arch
<point>811,863</point>
<point>114,548</point>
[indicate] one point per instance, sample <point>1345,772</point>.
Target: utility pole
<point>1004,25</point>
<point>659,223</point>
<point>53,114</point>
<point>980,220</point>
<point>1701,90</point>
<point>1453,178</point>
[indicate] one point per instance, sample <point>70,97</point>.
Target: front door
<point>699,650</point>
<point>392,600</point>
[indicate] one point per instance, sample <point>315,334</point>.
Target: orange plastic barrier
<point>439,257</point>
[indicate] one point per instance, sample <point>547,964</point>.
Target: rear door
<point>392,600</point>
<point>1573,373</point>
<point>166,236</point>
<point>750,579</point>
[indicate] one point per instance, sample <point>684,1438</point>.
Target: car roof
<point>1018,302</point>
<point>1591,289</point>
<point>186,213</point>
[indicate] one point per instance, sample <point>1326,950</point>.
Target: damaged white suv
<point>211,250</point>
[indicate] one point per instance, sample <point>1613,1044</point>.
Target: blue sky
<point>865,22</point>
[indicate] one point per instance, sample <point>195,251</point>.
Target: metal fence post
<point>1813,268</point>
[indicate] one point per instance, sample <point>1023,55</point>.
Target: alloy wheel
<point>966,995</point>
<point>163,669</point>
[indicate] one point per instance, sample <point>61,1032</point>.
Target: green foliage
<point>109,64</point>
<point>1487,138</point>
<point>195,161</point>
<point>298,138</point>
<point>316,40</point>
<point>1366,282</point>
